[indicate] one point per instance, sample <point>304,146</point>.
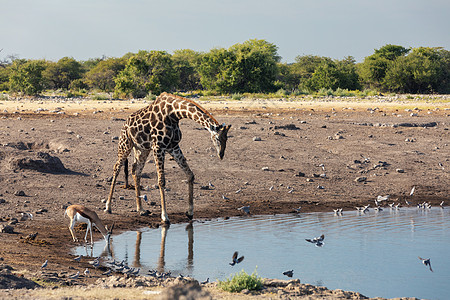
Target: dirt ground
<point>320,155</point>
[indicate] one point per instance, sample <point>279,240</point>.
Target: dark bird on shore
<point>75,276</point>
<point>289,273</point>
<point>31,236</point>
<point>318,241</point>
<point>235,259</point>
<point>426,262</point>
<point>205,282</point>
<point>44,265</point>
<point>107,272</point>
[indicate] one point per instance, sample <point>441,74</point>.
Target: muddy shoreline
<point>318,156</point>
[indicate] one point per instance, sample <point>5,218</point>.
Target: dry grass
<point>94,293</point>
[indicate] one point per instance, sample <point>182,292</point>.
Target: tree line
<point>253,66</point>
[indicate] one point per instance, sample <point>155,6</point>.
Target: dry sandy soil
<point>321,155</point>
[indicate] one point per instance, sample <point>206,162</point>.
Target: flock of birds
<point>319,241</point>
<point>122,268</point>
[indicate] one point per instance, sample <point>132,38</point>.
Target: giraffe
<point>155,129</point>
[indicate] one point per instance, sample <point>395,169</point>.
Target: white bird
<point>245,209</point>
<point>383,198</point>
<point>238,191</point>
<point>75,276</point>
<point>297,210</point>
<point>378,208</point>
<point>290,191</point>
<point>322,166</point>
<point>225,197</point>
<point>44,265</point>
<point>441,204</point>
<point>407,202</point>
<point>211,186</point>
<point>144,197</point>
<point>87,273</point>
<point>426,262</point>
<point>26,215</point>
<point>412,191</point>
<point>205,282</point>
<point>78,258</point>
<point>391,205</point>
<point>441,165</point>
<point>271,188</point>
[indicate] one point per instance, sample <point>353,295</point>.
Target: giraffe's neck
<point>185,108</point>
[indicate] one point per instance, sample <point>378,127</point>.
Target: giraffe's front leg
<point>181,160</point>
<point>159,162</point>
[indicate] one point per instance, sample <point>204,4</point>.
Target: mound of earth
<point>39,161</point>
<point>11,281</point>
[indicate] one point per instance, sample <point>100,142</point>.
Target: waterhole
<point>374,253</point>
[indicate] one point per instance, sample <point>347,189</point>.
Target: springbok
<point>82,214</point>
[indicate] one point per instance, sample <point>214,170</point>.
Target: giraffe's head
<point>219,138</point>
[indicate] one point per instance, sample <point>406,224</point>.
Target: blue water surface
<point>374,253</point>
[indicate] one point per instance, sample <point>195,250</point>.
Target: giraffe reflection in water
<point>162,252</point>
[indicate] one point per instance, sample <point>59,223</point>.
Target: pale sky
<point>83,29</point>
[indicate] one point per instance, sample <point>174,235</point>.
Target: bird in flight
<point>318,241</point>
<point>235,259</point>
<point>289,273</point>
<point>426,262</point>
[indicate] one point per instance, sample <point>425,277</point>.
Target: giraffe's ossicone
<point>155,128</point>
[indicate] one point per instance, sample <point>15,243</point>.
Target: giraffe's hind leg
<point>125,172</point>
<point>140,156</point>
<point>181,160</point>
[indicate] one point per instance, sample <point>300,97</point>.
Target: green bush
<point>242,281</point>
<point>237,96</point>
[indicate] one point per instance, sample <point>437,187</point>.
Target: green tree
<point>147,71</point>
<point>424,70</point>
<point>373,70</point>
<point>26,76</point>
<point>294,76</point>
<point>62,73</point>
<point>186,63</point>
<point>334,74</point>
<point>247,67</point>
<point>102,75</point>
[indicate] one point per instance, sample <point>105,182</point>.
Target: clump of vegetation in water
<point>242,281</point>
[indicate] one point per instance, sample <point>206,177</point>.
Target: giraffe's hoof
<point>127,187</point>
<point>144,212</point>
<point>190,217</point>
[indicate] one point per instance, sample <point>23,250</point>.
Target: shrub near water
<point>242,281</point>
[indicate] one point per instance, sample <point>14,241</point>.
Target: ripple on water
<point>373,253</point>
